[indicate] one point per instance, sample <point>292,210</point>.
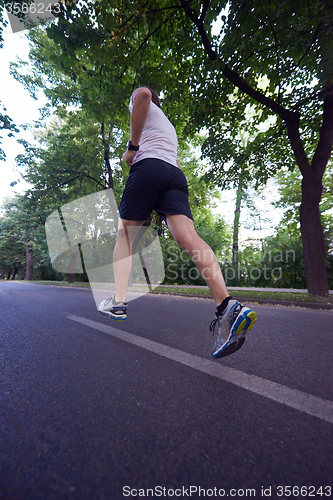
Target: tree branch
<point>315,95</point>
<point>143,51</point>
<point>325,143</point>
<point>190,13</point>
<point>107,156</point>
<point>310,45</point>
<point>95,180</point>
<point>297,144</point>
<point>124,28</point>
<point>266,49</point>
<point>204,10</point>
<point>240,83</point>
<point>277,53</point>
<point>57,186</point>
<point>144,43</point>
<point>232,75</point>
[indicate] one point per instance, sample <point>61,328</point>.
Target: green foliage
<point>3,22</point>
<point>69,162</point>
<point>96,54</point>
<point>12,248</point>
<point>277,264</point>
<point>272,59</point>
<point>266,56</point>
<point>18,227</point>
<point>6,124</point>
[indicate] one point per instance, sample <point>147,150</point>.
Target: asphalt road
<point>87,415</point>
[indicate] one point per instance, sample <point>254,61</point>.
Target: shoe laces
<point>214,322</point>
<point>114,302</point>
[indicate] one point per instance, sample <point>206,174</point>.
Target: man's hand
<point>128,157</point>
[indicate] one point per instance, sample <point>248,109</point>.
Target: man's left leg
<point>122,255</point>
<point>116,307</point>
<point>233,320</point>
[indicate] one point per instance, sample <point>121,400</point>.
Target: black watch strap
<point>131,147</point>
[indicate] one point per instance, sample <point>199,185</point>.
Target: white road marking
<point>306,403</point>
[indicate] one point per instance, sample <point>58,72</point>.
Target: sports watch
<point>131,147</point>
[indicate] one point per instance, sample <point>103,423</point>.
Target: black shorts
<point>154,185</point>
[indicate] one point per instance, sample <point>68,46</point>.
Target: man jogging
<point>156,182</point>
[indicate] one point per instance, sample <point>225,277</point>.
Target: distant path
<point>254,289</point>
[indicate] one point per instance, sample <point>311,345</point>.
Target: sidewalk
<point>246,288</point>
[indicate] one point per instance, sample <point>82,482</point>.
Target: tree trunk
<point>29,261</point>
<point>71,267</point>
<point>70,277</point>
<point>313,237</point>
<point>311,229</point>
<point>20,272</point>
<point>106,146</point>
<point>239,196</point>
<point>14,273</point>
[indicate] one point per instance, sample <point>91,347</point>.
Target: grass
<point>249,294</point>
<point>205,292</point>
<point>77,284</point>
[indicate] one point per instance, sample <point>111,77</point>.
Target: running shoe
<point>116,310</point>
<point>232,326</point>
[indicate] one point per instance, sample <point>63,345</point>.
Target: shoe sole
<point>116,318</point>
<point>245,324</point>
<point>242,328</point>
<point>230,349</point>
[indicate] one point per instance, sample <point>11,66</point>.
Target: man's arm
<point>141,104</point>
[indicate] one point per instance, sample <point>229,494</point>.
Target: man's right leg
<point>184,233</point>
<point>233,320</point>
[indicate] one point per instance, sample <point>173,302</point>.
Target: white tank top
<point>159,138</point>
